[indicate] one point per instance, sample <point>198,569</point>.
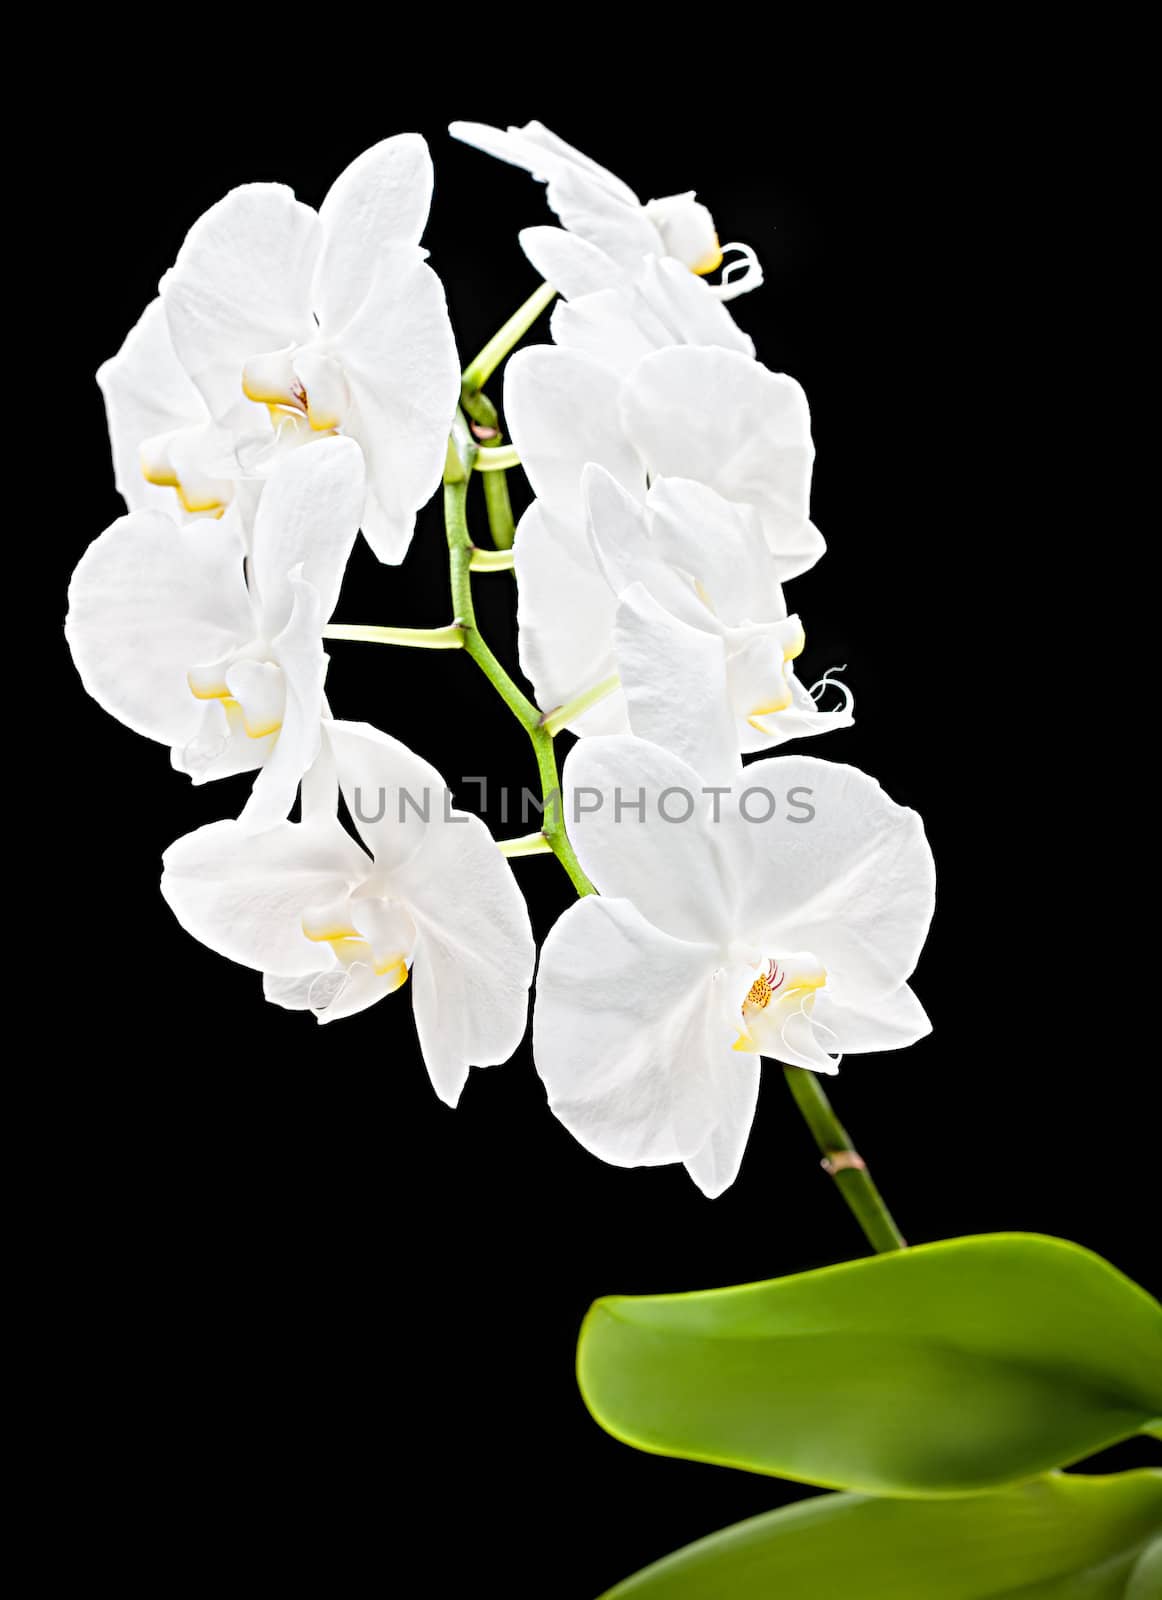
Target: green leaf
<point>1058,1538</point>
<point>1146,1579</point>
<point>943,1369</point>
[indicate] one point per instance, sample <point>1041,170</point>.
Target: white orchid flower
<point>703,643</point>
<point>720,419</point>
<point>334,926</point>
<point>605,212</point>
<point>567,412</point>
<point>722,934</point>
<point>617,315</point>
<point>170,638</point>
<point>168,453</point>
<point>332,317</point>
<point>562,413</point>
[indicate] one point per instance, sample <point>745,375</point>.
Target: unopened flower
<point>332,318</point>
<point>779,916</point>
<point>335,925</point>
<point>170,637</point>
<point>606,213</point>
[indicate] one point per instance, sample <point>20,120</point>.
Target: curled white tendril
<point>816,1029</point>
<point>821,685</point>
<point>739,276</point>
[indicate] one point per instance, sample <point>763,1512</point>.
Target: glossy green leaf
<point>1058,1538</point>
<point>943,1369</point>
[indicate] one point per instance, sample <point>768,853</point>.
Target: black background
<point>302,1319</point>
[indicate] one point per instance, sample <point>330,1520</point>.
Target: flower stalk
<point>554,721</point>
<point>449,638</point>
<point>491,561</point>
<point>460,552</point>
<point>843,1162</point>
<point>480,369</point>
<point>529,844</point>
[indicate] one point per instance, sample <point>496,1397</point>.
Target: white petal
<point>241,286</point>
<point>148,600</point>
<point>394,796</point>
<point>305,993</point>
<point>571,264</point>
<point>539,151</point>
<point>361,986</point>
<point>688,308</point>
<point>672,870</point>
<point>610,328</point>
<point>715,1165</point>
<point>723,420</point>
<point>675,685</point>
<point>147,392</point>
<point>621,531</point>
<point>565,613</point>
<point>399,358</point>
<point>620,228</point>
<point>720,544</point>
<point>298,652</point>
<point>854,882</point>
<point>474,955</point>
<point>562,412</point>
<point>243,894</point>
<point>377,204</point>
<point>631,1037</point>
<point>308,517</point>
<point>889,1023</point>
<point>221,747</point>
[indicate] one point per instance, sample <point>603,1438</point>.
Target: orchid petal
<point>393,795</point>
<point>243,894</point>
<point>299,654</point>
<point>621,533</point>
<point>400,362</point>
<point>721,545</point>
<point>308,517</point>
<point>377,204</point>
<point>565,613</point>
<point>673,870</point>
<point>889,1023</point>
<point>474,954</point>
<point>725,421</point>
<point>571,264</point>
<point>675,684</point>
<point>562,412</point>
<point>241,287</point>
<point>631,1036</point>
<point>147,392</point>
<point>147,600</point>
<point>852,881</point>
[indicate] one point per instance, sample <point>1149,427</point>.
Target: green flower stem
<point>529,844</point>
<point>478,371</point>
<point>460,551</point>
<point>497,458</point>
<point>450,638</point>
<point>554,721</point>
<point>491,561</point>
<point>483,414</point>
<point>501,523</point>
<point>843,1162</point>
